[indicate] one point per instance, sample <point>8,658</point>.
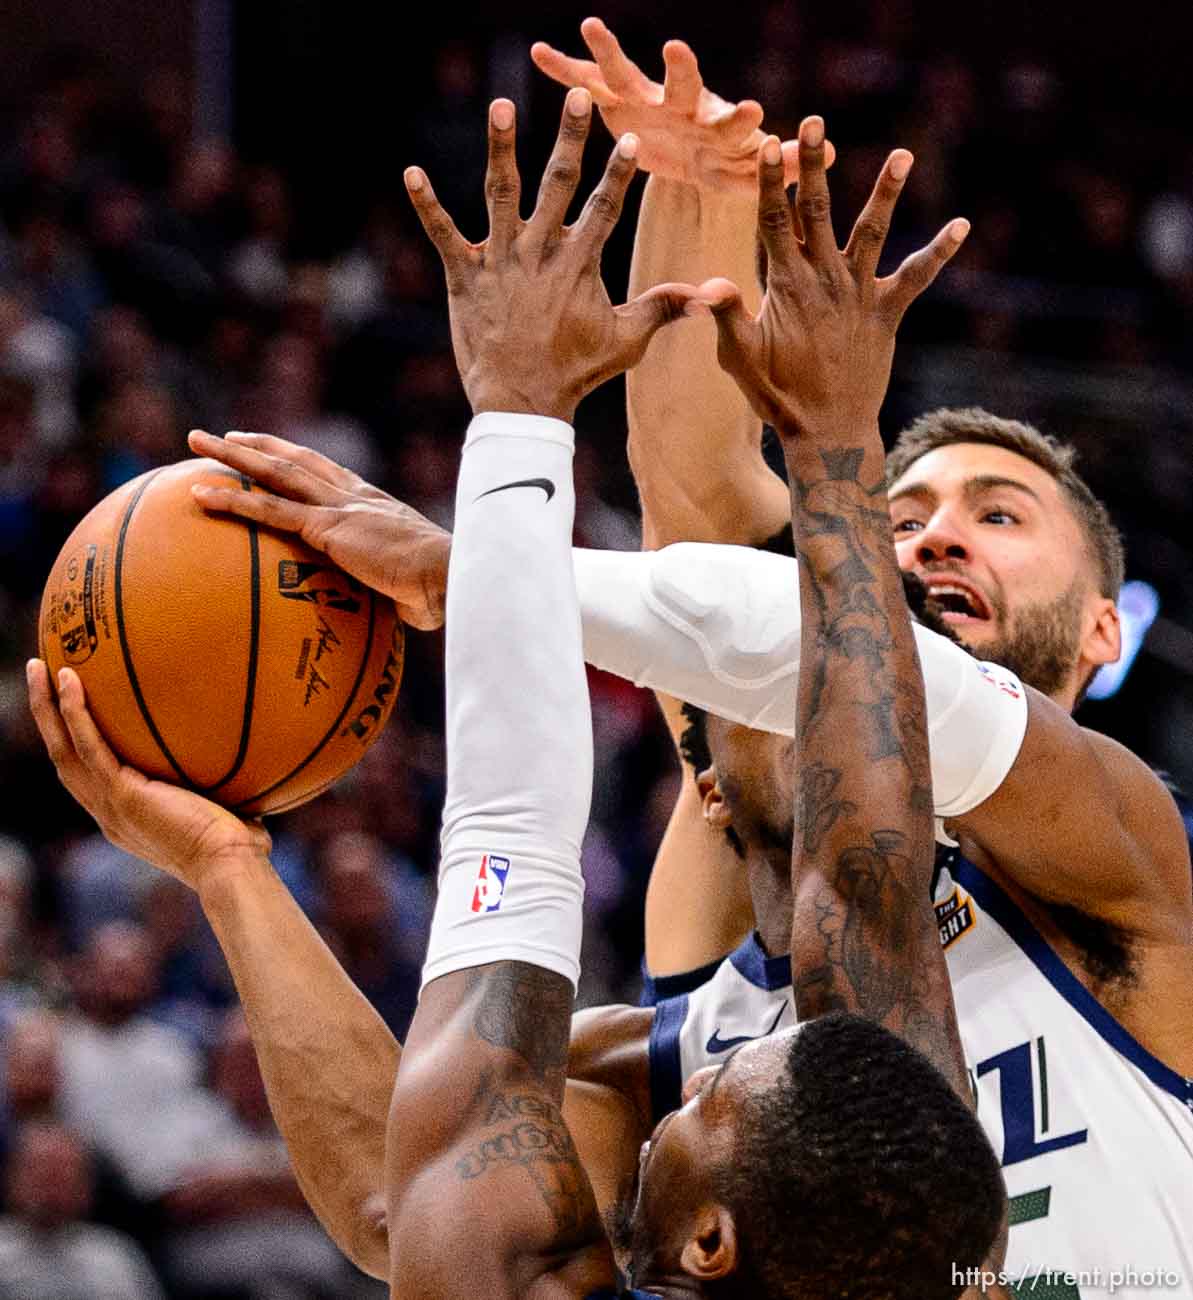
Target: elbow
<point>367,1242</point>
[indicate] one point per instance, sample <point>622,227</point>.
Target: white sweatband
<point>719,627</point>
<point>519,725</point>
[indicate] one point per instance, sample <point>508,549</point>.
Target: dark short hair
<point>950,425</point>
<point>859,1173</point>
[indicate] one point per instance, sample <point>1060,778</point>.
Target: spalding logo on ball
<point>216,653</point>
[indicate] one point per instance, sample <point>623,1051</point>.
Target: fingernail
<point>578,101</point>
<point>237,435</point>
<point>502,114</point>
<point>958,229</point>
<point>627,146</point>
<point>900,165</point>
<point>771,150</point>
<point>413,178</point>
<point>813,133</point>
<point>62,678</point>
<point>199,489</point>
<point>30,669</point>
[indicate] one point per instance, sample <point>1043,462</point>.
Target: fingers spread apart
<point>900,290</point>
<point>503,185</point>
<point>871,228</point>
<point>622,75</point>
<point>294,472</point>
<point>775,225</point>
<point>572,72</point>
<point>455,251</point>
<point>603,208</point>
<point>558,186</point>
<point>812,198</point>
<point>683,83</point>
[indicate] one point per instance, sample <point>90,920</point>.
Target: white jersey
<point>1095,1135</point>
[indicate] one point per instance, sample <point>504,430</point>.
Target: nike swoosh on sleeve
<point>545,483</point>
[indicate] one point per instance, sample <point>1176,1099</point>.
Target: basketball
<point>215,653</point>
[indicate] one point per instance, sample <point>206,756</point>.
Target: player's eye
<point>908,525</point>
<point>1000,517</point>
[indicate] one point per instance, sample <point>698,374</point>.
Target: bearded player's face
<point>1001,551</point>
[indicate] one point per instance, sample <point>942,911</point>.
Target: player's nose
<point>698,1081</point>
<point>943,537</point>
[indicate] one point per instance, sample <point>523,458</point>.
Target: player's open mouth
<point>960,604</point>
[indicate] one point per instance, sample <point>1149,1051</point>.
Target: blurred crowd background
<point>201,223</point>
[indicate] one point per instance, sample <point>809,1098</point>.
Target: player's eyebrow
<point>986,482</point>
<point>974,487</point>
<point>720,1074</point>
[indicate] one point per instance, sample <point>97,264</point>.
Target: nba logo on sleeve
<point>490,883</point>
<point>1008,685</point>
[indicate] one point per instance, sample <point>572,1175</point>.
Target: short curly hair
<point>951,425</point>
<point>859,1174</point>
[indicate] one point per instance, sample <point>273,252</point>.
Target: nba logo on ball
<point>490,883</point>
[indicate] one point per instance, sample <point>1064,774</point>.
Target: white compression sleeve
<point>519,728</point>
<point>719,626</point>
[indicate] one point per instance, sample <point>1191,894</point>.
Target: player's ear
<point>712,800</point>
<point>1102,643</point>
<point>710,1252</point>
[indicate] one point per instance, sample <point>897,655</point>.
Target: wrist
<point>798,433</point>
<point>221,881</point>
<point>499,400</point>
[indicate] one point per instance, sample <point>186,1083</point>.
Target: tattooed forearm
<point>526,1130</point>
<point>863,936</point>
<point>527,1009</point>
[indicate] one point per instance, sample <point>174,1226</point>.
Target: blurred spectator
<point>239,1224</point>
<point>48,1250</point>
<point>287,401</point>
<point>377,912</point>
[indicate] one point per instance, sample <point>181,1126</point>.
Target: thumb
<point>642,317</point>
<point>737,330</point>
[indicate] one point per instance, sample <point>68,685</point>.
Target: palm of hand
<point>688,144</point>
<point>177,830</point>
<point>686,133</point>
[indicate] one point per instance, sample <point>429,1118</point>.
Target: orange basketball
<point>218,654</point>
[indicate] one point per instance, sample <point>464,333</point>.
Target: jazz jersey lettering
<point>1095,1134</point>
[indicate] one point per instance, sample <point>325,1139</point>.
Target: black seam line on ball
<point>246,725</point>
<point>124,646</point>
<point>335,726</point>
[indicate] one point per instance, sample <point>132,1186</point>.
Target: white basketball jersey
<point>748,996</point>
<point>1095,1135</point>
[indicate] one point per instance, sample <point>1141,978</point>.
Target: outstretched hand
<point>532,325</point>
<point>182,833</point>
<point>371,535</point>
<point>685,132</point>
<point>817,357</point>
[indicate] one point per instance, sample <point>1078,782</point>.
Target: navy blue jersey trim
<point>666,1072</point>
<point>752,963</point>
<point>657,987</point>
<point>993,899</point>
<point>618,1295</point>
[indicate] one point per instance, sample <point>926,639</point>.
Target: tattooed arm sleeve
<point>863,936</point>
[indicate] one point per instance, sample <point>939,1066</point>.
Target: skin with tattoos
<point>863,938</point>
<point>486,1188</point>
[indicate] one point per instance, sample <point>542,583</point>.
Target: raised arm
<point>327,1058</point>
<point>694,444</point>
<point>490,1196</point>
<point>815,363</point>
